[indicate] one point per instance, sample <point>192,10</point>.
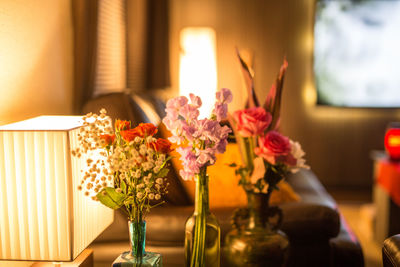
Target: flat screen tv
<point>357,53</point>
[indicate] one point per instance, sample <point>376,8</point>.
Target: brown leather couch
<point>391,251</point>
<point>318,234</point>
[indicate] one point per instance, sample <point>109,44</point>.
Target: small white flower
<point>137,174</point>
<point>161,157</point>
<point>140,186</point>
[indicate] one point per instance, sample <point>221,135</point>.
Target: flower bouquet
<point>268,156</point>
<point>200,140</point>
<point>129,174</point>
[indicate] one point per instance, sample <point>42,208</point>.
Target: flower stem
<point>201,210</point>
<point>249,148</point>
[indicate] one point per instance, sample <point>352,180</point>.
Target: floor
<point>359,212</point>
<point>360,219</point>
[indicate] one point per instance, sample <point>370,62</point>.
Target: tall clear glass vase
<point>137,256</point>
<point>202,230</point>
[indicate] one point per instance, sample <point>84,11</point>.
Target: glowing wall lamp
<point>42,215</point>
<point>198,67</point>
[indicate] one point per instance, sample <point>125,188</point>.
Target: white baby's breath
<point>128,167</point>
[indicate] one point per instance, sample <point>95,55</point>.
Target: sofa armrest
<point>391,251</point>
<point>345,248</point>
<point>304,222</point>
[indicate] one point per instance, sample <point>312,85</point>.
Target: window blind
<point>111,47</point>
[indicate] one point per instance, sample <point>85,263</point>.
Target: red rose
<point>122,125</point>
<point>162,145</point>
<point>108,139</point>
<point>273,147</point>
<point>252,121</point>
<point>146,129</point>
<point>129,135</point>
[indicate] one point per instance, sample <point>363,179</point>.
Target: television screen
<point>357,53</point>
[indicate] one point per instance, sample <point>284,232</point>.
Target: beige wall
<point>337,141</point>
<point>36,64</point>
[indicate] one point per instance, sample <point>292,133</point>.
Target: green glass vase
<point>254,240</point>
<point>137,256</point>
<point>202,230</point>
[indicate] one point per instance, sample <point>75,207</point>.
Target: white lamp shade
<point>42,214</point>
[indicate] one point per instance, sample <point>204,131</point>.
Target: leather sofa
<point>318,233</point>
<point>391,251</point>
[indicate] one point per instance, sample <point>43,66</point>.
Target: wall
<point>337,141</point>
<point>36,73</point>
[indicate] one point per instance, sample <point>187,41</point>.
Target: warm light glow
<point>394,141</point>
<point>42,214</point>
<point>198,67</point>
<point>309,95</point>
<point>36,76</point>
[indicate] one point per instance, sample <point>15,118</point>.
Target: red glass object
<point>392,143</point>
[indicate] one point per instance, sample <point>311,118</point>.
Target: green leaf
<point>232,165</point>
<point>110,198</point>
<point>123,186</point>
<point>162,173</point>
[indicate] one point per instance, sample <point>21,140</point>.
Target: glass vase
<point>137,256</point>
<point>254,240</point>
<point>202,231</point>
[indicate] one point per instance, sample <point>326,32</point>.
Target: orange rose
<point>162,145</point>
<point>129,135</point>
<point>146,129</point>
<point>122,125</point>
<point>108,139</point>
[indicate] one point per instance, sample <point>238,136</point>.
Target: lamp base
<point>85,259</point>
<point>150,259</point>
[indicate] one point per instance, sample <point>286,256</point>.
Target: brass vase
<point>255,240</point>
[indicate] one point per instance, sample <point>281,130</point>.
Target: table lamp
<point>43,217</point>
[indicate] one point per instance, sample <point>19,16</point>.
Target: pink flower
<point>274,147</point>
<point>221,146</point>
<point>177,102</point>
<point>252,121</point>
<point>224,96</point>
<point>189,162</point>
<point>205,129</point>
<point>206,157</point>
<point>220,111</point>
<point>189,112</point>
<point>202,138</point>
<point>196,101</point>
